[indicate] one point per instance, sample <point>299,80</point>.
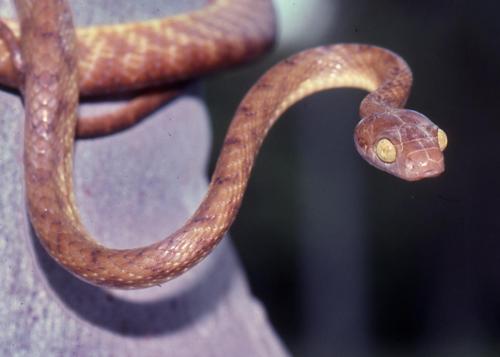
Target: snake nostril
<point>410,165</point>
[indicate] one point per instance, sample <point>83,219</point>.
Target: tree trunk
<point>132,188</point>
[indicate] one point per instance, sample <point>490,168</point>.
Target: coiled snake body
<point>402,142</point>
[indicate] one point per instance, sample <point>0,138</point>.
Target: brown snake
<point>399,141</point>
<point>157,52</point>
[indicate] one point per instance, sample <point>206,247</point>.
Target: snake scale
<point>55,71</point>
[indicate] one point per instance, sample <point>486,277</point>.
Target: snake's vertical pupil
<point>442,139</point>
<point>386,151</point>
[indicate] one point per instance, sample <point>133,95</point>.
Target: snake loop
<point>399,141</point>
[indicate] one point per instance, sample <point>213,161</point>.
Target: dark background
<point>351,261</point>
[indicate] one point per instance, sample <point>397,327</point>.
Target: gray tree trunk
<point>132,188</point>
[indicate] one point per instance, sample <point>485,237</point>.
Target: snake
<point>113,59</point>
<point>396,140</point>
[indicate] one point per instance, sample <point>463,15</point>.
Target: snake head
<point>403,143</point>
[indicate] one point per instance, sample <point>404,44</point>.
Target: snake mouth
<point>432,173</point>
<point>424,174</point>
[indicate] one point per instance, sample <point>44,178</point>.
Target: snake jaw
<point>417,141</point>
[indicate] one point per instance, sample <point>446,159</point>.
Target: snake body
<point>155,53</point>
<point>114,58</point>
<point>51,92</point>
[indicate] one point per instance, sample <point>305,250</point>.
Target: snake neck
<point>340,66</point>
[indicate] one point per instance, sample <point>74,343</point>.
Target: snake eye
<point>442,139</point>
<point>386,151</point>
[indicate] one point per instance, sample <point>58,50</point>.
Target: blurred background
<point>350,261</point>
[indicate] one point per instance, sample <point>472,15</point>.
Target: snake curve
<point>155,53</point>
<point>137,55</point>
<point>51,93</point>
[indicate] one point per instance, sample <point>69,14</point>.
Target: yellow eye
<point>386,151</point>
<point>442,140</point>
